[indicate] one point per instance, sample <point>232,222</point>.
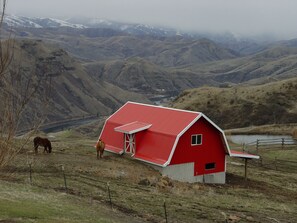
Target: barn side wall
<point>212,149</point>
<point>185,173</point>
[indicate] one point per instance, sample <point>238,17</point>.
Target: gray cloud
<point>252,17</point>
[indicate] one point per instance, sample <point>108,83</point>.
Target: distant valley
<point>95,66</point>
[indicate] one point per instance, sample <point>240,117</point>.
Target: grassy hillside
<point>241,106</point>
<point>274,63</point>
<point>65,89</point>
<point>277,62</point>
<point>140,75</point>
<point>107,44</point>
<point>137,190</point>
<point>25,203</point>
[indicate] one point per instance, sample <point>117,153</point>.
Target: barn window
<point>210,166</point>
<point>196,140</point>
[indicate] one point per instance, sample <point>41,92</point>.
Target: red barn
<point>183,145</point>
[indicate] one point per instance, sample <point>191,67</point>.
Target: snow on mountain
<point>21,21</point>
<point>131,28</point>
<point>80,23</point>
<point>227,39</point>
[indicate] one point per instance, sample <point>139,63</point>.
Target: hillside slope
<point>140,75</point>
<point>276,62</point>
<point>200,62</point>
<point>241,106</point>
<point>66,89</point>
<point>107,44</point>
<point>190,61</point>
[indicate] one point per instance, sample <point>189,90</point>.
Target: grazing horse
<point>38,141</point>
<point>100,146</point>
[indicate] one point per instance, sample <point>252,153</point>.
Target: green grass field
<point>269,195</point>
<point>21,202</point>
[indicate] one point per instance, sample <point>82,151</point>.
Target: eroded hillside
<point>60,85</point>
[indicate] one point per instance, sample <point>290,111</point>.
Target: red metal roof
<point>234,153</point>
<point>133,127</point>
<point>163,127</point>
<point>164,120</point>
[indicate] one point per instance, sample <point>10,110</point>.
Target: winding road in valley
<point>64,124</point>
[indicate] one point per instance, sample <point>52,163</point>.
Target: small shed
<point>184,145</point>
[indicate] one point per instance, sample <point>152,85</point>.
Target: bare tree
<point>18,86</point>
<point>5,53</point>
<point>5,59</point>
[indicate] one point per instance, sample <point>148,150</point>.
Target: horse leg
<point>101,153</point>
<point>36,149</point>
<point>97,154</point>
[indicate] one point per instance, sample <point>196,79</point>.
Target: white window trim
<point>196,140</point>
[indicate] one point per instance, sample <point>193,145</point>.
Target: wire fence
<point>276,164</point>
<point>112,194</point>
<point>272,143</point>
<point>262,146</point>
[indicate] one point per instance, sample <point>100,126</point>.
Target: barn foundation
<point>185,173</point>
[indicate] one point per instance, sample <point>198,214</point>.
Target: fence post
<point>283,143</point>
<point>109,196</point>
<point>30,166</point>
<point>65,182</point>
<point>257,145</point>
<point>245,169</point>
<point>165,211</point>
<point>243,147</point>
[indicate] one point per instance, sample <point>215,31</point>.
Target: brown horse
<point>38,141</point>
<point>100,146</point>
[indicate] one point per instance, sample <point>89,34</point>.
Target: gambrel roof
<point>161,128</point>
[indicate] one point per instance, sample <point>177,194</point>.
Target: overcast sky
<point>248,17</point>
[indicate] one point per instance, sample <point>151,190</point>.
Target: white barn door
<point>130,143</point>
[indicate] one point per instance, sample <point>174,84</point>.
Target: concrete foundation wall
<point>185,173</point>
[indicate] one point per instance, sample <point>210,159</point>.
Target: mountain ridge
<point>240,44</point>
